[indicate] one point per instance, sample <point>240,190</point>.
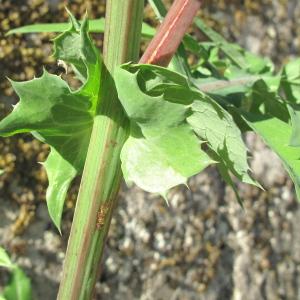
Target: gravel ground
<point>204,246</point>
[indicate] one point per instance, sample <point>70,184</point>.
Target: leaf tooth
<point>248,179</point>
<point>164,195</point>
<point>75,24</point>
<point>187,186</point>
<point>84,27</point>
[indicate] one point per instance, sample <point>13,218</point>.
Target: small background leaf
<point>276,135</point>
<point>96,25</point>
<point>239,57</point>
<point>5,259</point>
<point>19,287</point>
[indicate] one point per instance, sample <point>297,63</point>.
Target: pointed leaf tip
<point>165,197</point>
<point>5,260</point>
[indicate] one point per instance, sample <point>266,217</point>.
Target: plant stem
<point>101,176</point>
<point>213,86</point>
<point>178,62</point>
<point>170,33</point>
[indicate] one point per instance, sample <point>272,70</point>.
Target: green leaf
<point>19,287</point>
<point>191,44</point>
<point>291,80</point>
<point>159,163</point>
<point>232,52</point>
<point>227,178</point>
<point>96,25</point>
<point>215,125</point>
<point>5,260</point>
<point>162,150</point>
<point>294,111</point>
<point>159,8</point>
<point>256,64</point>
<point>240,57</point>
<point>276,134</point>
<point>265,98</point>
<point>59,116</point>
<point>2,298</point>
<point>152,97</point>
<point>159,101</point>
<point>60,174</point>
<point>75,47</point>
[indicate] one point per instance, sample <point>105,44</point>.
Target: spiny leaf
<point>276,135</point>
<point>162,150</point>
<point>58,116</point>
<point>42,104</point>
<point>75,47</point>
<point>160,100</point>
<point>152,97</point>
<point>214,124</point>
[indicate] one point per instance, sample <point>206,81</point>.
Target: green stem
<point>216,85</point>
<point>101,176</point>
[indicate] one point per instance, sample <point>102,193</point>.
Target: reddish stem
<point>170,33</point>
